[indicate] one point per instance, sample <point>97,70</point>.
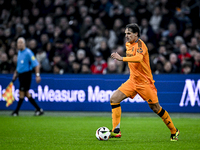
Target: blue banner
<point>176,93</point>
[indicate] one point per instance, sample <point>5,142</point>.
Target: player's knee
<point>154,108</point>
<point>113,99</point>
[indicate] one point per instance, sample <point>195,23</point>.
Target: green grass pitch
<point>76,131</point>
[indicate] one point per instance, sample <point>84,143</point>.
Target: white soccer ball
<point>103,134</point>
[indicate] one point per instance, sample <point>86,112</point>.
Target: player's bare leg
<point>166,119</point>
<point>115,100</point>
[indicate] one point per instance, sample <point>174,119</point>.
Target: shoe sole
<point>116,136</point>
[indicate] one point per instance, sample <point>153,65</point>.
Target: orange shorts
<point>147,91</point>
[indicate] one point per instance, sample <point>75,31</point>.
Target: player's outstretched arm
<point>137,58</point>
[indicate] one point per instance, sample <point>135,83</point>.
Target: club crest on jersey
<point>139,50</point>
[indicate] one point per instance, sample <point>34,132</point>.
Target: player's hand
<point>116,56</point>
<point>15,75</point>
<point>38,79</point>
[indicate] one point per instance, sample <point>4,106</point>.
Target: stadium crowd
<point>78,36</point>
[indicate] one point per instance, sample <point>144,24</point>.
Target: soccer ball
<point>103,134</point>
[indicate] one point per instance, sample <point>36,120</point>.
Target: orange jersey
<point>137,57</point>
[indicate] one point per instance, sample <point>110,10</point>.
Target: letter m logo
<point>190,93</point>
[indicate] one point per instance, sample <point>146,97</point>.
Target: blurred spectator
<point>168,68</point>
<point>19,31</point>
<point>142,11</point>
<point>85,69</point>
<point>11,53</point>
<point>116,9</point>
<point>86,61</point>
<point>57,60</point>
<point>76,67</point>
<point>178,41</point>
<point>187,34</point>
<point>87,23</point>
<point>105,5</point>
<point>94,36</point>
<point>112,67</point>
<point>35,14</point>
<point>171,33</point>
<point>63,24</point>
<point>83,11</point>
<point>58,14</point>
<point>120,50</point>
<point>186,67</point>
<point>196,67</point>
<point>57,69</point>
<point>117,26</point>
<point>99,65</point>
<point>151,48</point>
<point>13,64</point>
<point>80,55</point>
<point>173,59</point>
<point>73,36</point>
<point>4,65</point>
<point>111,38</point>
<point>41,57</point>
<point>31,32</point>
<point>182,14</point>
<point>197,35</point>
<point>99,24</point>
<point>46,7</point>
<point>133,19</point>
<point>184,55</point>
<point>44,39</point>
<point>50,32</point>
<point>146,29</point>
<point>39,27</point>
<point>71,58</point>
<point>167,17</point>
<point>8,37</point>
<point>127,14</point>
<point>156,19</point>
<point>132,3</point>
<point>62,49</point>
<point>121,67</point>
<point>15,8</point>
<point>25,22</point>
<point>50,51</point>
<point>194,44</point>
<point>159,68</point>
<point>32,44</point>
<point>104,50</point>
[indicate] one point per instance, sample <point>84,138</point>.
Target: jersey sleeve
<point>33,60</point>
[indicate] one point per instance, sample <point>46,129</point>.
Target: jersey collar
<point>137,40</point>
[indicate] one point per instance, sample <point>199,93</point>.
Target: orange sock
<point>116,115</point>
<point>167,120</point>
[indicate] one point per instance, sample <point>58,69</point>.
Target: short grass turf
<point>74,132</point>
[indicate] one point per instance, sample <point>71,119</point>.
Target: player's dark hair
<point>134,27</point>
